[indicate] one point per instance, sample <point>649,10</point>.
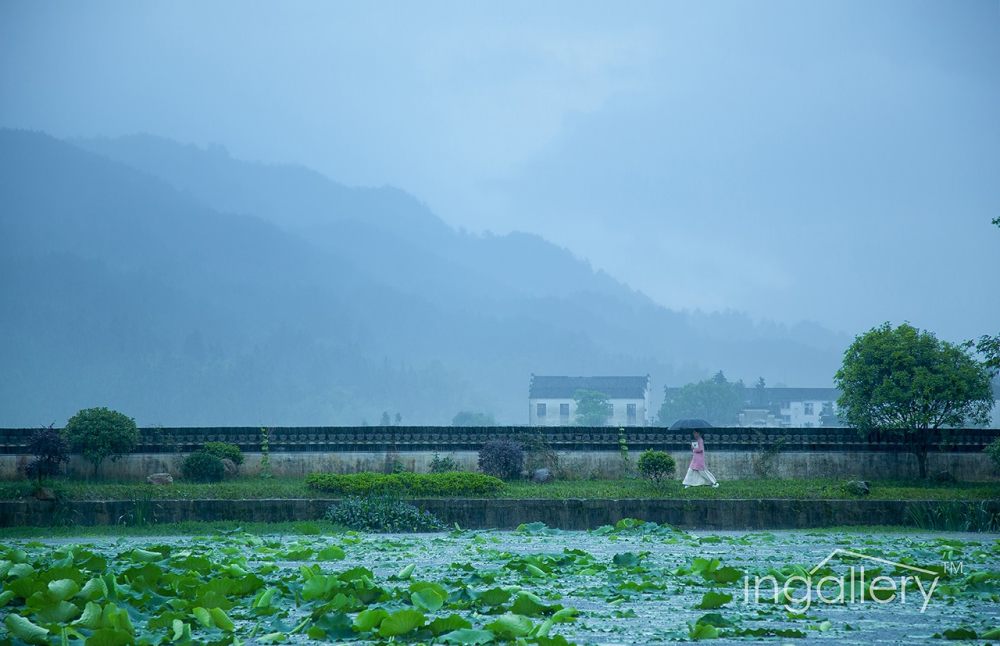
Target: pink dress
<point>698,456</point>
<point>697,474</point>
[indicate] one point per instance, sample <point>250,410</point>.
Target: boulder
<point>160,479</point>
<point>45,493</point>
<point>230,467</point>
<point>857,487</point>
<point>943,476</point>
<point>541,476</point>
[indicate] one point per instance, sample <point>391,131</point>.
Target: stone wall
<point>508,514</point>
<point>726,465</point>
<point>583,452</point>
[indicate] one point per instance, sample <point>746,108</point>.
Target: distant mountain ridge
<point>187,287</point>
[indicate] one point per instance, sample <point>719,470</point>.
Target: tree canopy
<point>717,400</point>
<point>907,381</point>
<point>470,418</point>
<point>592,408</point>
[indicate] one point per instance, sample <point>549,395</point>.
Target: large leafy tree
<point>592,408</point>
<point>907,381</point>
<point>100,433</point>
<point>716,400</point>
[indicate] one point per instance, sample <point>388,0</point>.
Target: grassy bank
<point>255,488</point>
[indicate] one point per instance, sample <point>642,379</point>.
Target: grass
<point>256,488</point>
<point>814,488</point>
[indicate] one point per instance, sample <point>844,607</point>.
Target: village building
<point>551,399</point>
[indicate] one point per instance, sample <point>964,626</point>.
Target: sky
<point>835,162</point>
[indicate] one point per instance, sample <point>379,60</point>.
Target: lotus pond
<point>635,583</point>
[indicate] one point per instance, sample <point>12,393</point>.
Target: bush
<point>100,433</point>
<point>224,450</point>
<point>382,514</point>
<point>443,465</point>
<point>202,466</point>
<point>503,459</point>
<point>993,450</point>
<point>456,483</point>
<point>50,450</point>
<point>656,465</point>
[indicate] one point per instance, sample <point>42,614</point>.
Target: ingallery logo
<point>857,585</point>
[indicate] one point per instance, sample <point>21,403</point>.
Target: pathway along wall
<point>582,452</point>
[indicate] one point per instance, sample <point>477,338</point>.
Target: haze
<point>834,163</point>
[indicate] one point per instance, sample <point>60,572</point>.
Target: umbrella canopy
<point>689,423</point>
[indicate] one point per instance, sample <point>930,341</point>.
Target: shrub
<point>455,483</point>
<point>993,450</point>
<point>100,433</point>
<point>224,450</point>
<point>656,465</point>
<point>503,459</point>
<point>50,450</point>
<point>443,465</point>
<point>202,466</point>
<point>382,513</point>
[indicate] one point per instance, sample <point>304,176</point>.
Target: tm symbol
<point>954,567</point>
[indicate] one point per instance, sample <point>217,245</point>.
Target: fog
<point>752,184</point>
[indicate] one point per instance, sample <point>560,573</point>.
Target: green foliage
<point>623,453</point>
<point>989,347</point>
<point>456,483</point>
<point>503,459</point>
<point>224,450</point>
<point>908,382</point>
<point>265,453</point>
<point>716,400</point>
<point>993,450</point>
<point>592,408</point>
<point>382,513</point>
<point>202,466</point>
<point>101,433</point>
<point>656,465</point>
<point>469,418</point>
<point>51,451</point>
<point>443,465</point>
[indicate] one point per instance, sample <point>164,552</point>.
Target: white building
<point>551,399</point>
<point>791,407</point>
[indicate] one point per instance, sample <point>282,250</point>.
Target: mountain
<point>183,286</point>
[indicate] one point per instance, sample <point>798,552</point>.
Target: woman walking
<point>697,474</point>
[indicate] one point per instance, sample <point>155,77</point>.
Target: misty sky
<point>836,162</point>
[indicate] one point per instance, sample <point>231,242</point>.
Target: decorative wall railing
<point>449,438</point>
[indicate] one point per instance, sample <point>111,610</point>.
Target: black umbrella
<point>689,423</point>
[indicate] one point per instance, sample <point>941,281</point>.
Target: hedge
<point>455,483</point>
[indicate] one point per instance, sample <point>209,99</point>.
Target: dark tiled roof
<point>565,387</point>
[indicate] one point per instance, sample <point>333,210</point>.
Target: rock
<point>943,476</point>
<point>45,493</point>
<point>541,476</point>
<point>160,479</point>
<point>857,488</point>
<point>230,467</point>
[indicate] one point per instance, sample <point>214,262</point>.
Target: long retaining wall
<point>582,452</point>
<point>717,514</point>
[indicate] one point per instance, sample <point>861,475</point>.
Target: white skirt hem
<point>699,478</point>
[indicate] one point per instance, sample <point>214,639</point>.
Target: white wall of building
<point>562,412</point>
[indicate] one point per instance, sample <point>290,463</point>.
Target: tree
<point>592,408</point>
<point>385,419</point>
<point>100,433</point>
<point>469,418</point>
<point>716,400</point>
<point>909,383</point>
